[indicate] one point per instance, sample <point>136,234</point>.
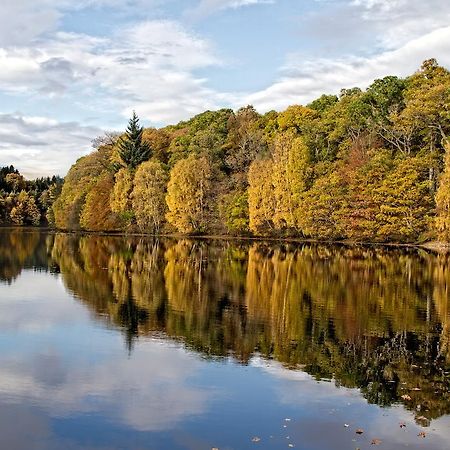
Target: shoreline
<point>435,246</point>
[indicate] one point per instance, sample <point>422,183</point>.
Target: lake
<point>136,343</point>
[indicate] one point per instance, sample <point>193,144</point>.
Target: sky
<point>71,70</point>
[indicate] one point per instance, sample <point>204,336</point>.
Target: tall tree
<point>148,196</point>
<point>189,194</point>
<point>132,149</point>
<point>261,198</point>
<point>443,200</point>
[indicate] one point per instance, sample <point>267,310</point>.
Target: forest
<point>26,202</point>
<point>367,165</point>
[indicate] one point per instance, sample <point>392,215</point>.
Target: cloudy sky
<point>71,69</point>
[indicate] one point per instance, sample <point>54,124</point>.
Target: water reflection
<point>19,250</point>
<point>368,318</point>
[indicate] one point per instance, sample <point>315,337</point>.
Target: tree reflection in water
<point>376,319</point>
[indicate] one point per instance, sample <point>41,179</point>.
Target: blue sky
<point>71,70</point>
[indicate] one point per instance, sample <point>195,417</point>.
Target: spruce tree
<point>132,150</point>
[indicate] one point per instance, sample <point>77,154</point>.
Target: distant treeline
<point>364,165</point>
<point>26,202</point>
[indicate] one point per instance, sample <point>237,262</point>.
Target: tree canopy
<point>368,165</point>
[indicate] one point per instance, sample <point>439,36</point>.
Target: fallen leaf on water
<point>359,431</point>
<point>256,439</point>
<point>422,434</point>
<point>375,442</point>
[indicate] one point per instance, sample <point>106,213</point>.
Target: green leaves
<point>131,148</point>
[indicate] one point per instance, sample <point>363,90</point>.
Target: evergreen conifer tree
<point>132,150</point>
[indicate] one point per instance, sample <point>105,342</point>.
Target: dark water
<point>114,343</point>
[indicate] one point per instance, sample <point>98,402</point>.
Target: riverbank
<point>436,246</point>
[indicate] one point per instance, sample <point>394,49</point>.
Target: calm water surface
<point>116,343</point>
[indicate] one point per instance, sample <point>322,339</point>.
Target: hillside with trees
<point>367,165</point>
<point>27,202</point>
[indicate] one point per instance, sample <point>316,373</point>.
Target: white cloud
<point>40,146</point>
<point>21,21</point>
<point>148,67</point>
<point>159,67</point>
<point>395,22</point>
<point>152,377</point>
<point>305,80</point>
<point>207,7</point>
<point>148,391</point>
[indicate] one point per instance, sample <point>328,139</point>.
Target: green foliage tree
<point>322,206</point>
<point>235,213</point>
<point>132,149</point>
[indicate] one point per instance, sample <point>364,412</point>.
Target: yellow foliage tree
<point>261,198</point>
<point>25,212</point>
<point>189,194</point>
<point>120,200</point>
<point>290,175</point>
<point>443,200</point>
<point>148,196</point>
<point>77,184</point>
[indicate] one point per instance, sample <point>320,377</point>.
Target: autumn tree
<point>235,212</point>
<point>25,211</point>
<point>443,200</point>
<point>96,214</point>
<point>120,200</point>
<point>261,198</point>
<point>15,181</point>
<point>189,194</point>
<point>322,205</point>
<point>79,181</point>
<point>148,196</point>
<point>291,176</point>
<point>406,202</point>
<point>245,141</point>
